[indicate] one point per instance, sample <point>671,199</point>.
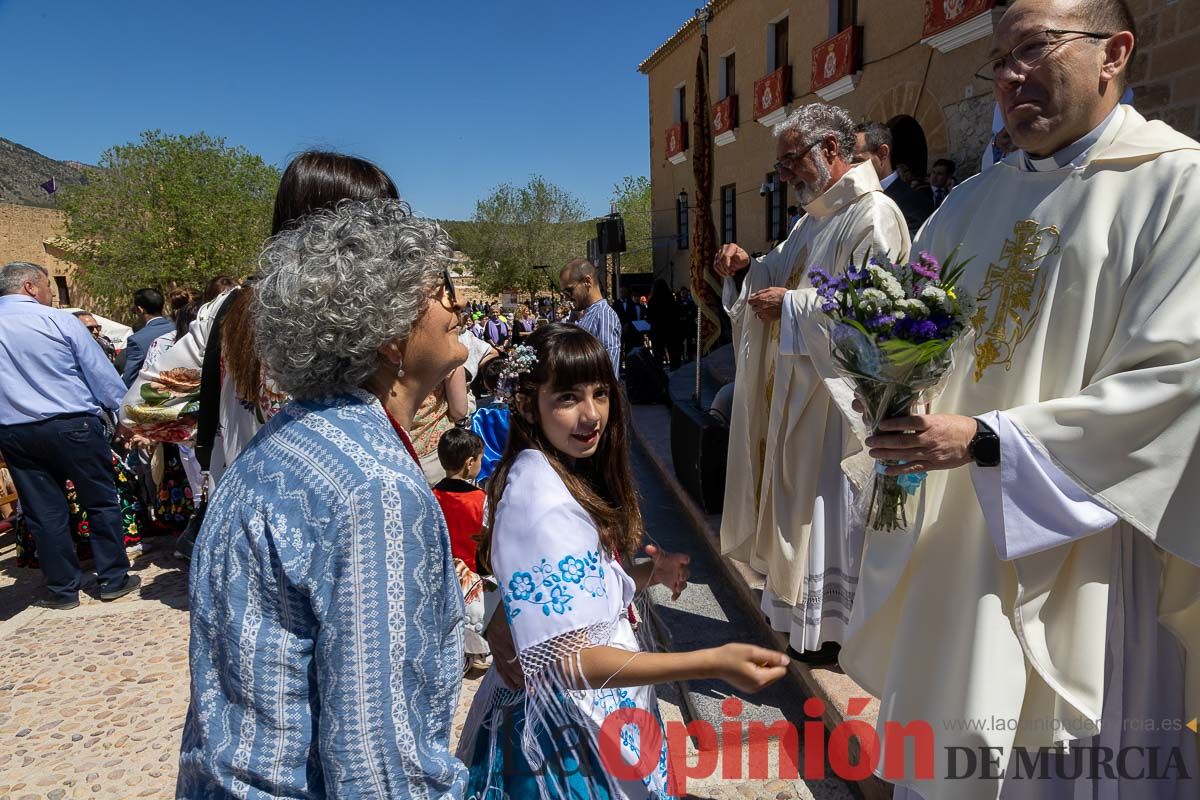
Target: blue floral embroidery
<point>558,600</point>
<point>572,569</point>
<point>608,701</point>
<point>546,586</point>
<point>521,585</point>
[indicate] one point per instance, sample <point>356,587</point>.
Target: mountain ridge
<point>23,170</point>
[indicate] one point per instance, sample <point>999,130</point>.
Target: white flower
<point>913,307</point>
<point>873,300</point>
<point>886,281</point>
<point>934,297</point>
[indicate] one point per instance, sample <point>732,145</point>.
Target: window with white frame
<point>777,44</point>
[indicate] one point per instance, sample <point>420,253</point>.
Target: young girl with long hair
<point>561,528</point>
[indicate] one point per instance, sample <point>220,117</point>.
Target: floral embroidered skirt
<point>568,763</point>
<point>174,504</point>
<point>133,517</point>
<point>501,770</point>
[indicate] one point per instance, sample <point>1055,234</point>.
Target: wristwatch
<point>985,446</point>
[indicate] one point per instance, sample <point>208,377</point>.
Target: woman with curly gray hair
<point>326,622</point>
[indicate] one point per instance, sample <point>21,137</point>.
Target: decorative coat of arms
<point>830,63</point>
<point>719,119</point>
<point>767,97</point>
<point>953,8</point>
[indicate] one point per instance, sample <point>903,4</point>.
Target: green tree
<point>167,211</point>
<point>632,199</point>
<point>516,229</point>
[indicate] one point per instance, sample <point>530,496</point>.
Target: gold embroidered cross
<point>1017,285</point>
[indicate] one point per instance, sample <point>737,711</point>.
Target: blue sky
<point>451,98</point>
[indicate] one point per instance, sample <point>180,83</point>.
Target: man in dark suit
<point>941,180</point>
<point>629,311</point>
<point>874,143</point>
<point>148,304</point>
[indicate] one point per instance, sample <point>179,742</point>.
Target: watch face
<point>985,449</point>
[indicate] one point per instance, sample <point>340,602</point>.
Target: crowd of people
<point>346,570</point>
<point>662,322</point>
<point>156,483</point>
<point>391,488</point>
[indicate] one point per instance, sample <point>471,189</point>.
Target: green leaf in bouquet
<point>910,354</point>
<point>154,397</point>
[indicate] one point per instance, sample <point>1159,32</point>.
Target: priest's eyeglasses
<point>1032,50</point>
<point>787,159</point>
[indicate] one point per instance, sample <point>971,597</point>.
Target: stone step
<point>706,615</point>
<point>740,588</point>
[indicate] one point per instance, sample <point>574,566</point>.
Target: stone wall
<point>900,77</point>
<point>1166,67</point>
<point>23,234</point>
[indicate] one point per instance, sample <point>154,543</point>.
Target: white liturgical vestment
<point>979,621</point>
<point>788,501</point>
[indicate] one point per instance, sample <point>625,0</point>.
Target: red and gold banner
<point>771,91</point>
<point>706,287</point>
<point>724,115</point>
<point>676,139</point>
<point>836,58</point>
<point>942,15</point>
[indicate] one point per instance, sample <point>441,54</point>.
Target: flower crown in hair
<point>520,360</point>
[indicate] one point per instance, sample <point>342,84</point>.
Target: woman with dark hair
<point>312,181</point>
<point>562,526</point>
<point>217,287</point>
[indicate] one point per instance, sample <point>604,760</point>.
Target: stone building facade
<point>28,233</point>
<point>907,63</point>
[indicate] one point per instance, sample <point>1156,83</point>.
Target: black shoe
<point>131,582</point>
<point>828,654</point>
<point>57,603</point>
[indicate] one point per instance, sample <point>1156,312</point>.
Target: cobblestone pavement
<point>92,700</point>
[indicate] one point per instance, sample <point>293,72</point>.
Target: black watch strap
<point>985,446</point>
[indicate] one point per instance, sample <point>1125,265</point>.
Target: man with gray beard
<point>787,496</point>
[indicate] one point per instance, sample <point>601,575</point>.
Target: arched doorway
<point>908,144</point>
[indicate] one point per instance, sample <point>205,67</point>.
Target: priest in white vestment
<point>1048,592</point>
<point>788,501</point>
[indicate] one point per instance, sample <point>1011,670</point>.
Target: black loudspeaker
<point>699,448</point>
<point>646,382</point>
<point>610,233</point>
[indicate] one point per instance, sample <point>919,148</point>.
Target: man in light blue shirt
<point>57,383</point>
<point>580,285</point>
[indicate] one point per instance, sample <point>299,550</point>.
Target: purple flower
<point>881,321</point>
<point>927,266</point>
<point>819,277</point>
<point>829,306</point>
<point>916,331</point>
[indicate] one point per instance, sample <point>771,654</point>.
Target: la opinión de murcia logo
<point>854,751</point>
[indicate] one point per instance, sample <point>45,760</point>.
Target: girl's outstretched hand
<point>748,667</point>
<point>670,569</point>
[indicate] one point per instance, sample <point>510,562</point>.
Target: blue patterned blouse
<point>326,619</point>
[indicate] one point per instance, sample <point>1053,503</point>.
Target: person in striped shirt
<point>580,285</point>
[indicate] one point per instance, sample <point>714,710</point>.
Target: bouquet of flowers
<point>892,329</point>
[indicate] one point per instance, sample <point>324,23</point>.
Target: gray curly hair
<point>339,285</point>
<point>818,120</point>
